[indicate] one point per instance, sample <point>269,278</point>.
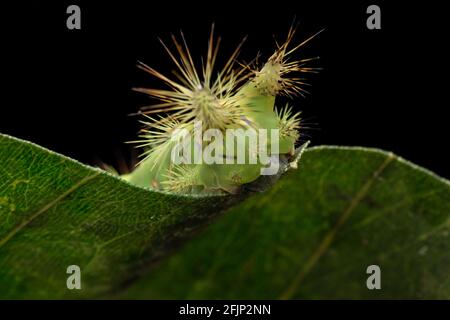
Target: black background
<point>70,90</point>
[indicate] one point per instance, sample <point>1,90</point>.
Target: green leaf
<point>314,234</point>
<point>56,212</point>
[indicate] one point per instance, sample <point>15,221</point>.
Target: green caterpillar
<point>237,101</point>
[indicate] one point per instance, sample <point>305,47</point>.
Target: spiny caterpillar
<point>199,109</point>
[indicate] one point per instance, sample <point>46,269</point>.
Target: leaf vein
<point>45,208</point>
<point>330,236</point>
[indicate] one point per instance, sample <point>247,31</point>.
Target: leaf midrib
<point>330,236</point>
<point>45,208</point>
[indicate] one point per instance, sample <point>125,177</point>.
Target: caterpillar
<point>229,115</point>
